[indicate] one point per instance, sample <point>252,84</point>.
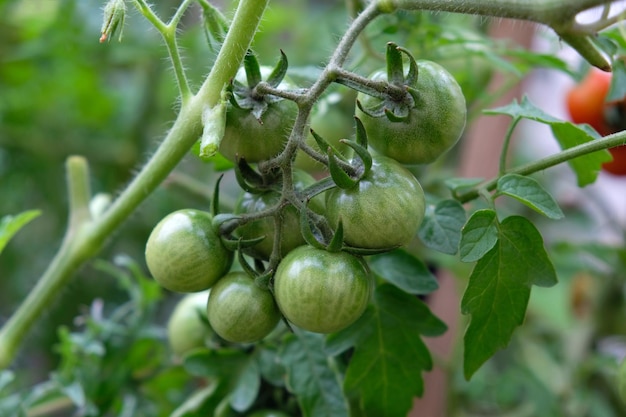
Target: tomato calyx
<point>398,100</point>
<point>248,97</point>
<point>360,165</point>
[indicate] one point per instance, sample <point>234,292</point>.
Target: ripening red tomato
<point>586,103</point>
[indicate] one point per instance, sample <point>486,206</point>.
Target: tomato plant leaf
<point>10,225</point>
<point>389,357</point>
<point>246,386</point>
<point>405,271</point>
<point>499,287</point>
<point>310,377</point>
<point>529,192</point>
<point>458,185</point>
<point>441,228</point>
<point>479,235</point>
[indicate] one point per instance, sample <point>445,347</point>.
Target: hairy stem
<point>85,240</point>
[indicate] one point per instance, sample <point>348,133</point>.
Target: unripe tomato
<point>184,252</point>
<point>586,103</point>
<point>258,140</point>
<point>187,327</point>
<point>321,291</point>
<point>435,122</point>
<point>384,210</point>
<point>240,311</point>
<point>291,234</point>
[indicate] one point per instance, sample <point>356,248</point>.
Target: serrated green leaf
<point>404,271</point>
<point>310,377</point>
<point>479,235</point>
<point>389,356</point>
<point>529,192</point>
<point>10,225</point>
<point>441,229</point>
<point>499,287</point>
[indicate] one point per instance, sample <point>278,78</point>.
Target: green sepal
<point>377,111</point>
<point>215,202</point>
<point>307,231</point>
<point>263,280</point>
<point>368,251</point>
<point>361,133</point>
<point>219,222</point>
<point>215,25</point>
<point>319,187</point>
<point>324,145</point>
<point>279,71</point>
<point>249,270</point>
<point>362,153</point>
<point>395,67</point>
<point>341,177</point>
<point>248,179</point>
<point>336,243</point>
<point>395,118</point>
<point>252,68</point>
<point>411,76</point>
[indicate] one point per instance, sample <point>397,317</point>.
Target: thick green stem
<point>84,240</point>
<point>607,142</point>
<point>548,12</point>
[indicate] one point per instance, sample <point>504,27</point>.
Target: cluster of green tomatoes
<point>301,243</point>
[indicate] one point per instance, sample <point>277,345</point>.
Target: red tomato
<point>586,103</point>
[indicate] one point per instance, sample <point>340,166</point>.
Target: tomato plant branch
<point>550,161</point>
<point>85,241</point>
<point>505,146</point>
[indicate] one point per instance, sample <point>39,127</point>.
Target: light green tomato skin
<point>246,137</point>
<point>239,311</point>
<point>321,291</point>
<point>434,126</point>
<point>186,330</point>
<point>184,254</point>
<point>385,209</point>
<point>292,237</point>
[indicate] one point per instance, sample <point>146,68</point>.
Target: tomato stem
<point>550,161</point>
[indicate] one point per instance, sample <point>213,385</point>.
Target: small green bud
<point>114,14</point>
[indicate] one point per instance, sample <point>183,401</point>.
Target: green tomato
<point>384,210</point>
<point>187,327</point>
<point>291,235</point>
<point>255,139</point>
<point>239,311</point>
<point>435,122</point>
<point>185,254</point>
<point>321,291</point>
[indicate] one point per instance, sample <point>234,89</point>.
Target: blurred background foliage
<point>63,93</point>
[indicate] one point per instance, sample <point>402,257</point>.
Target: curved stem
<point>505,146</point>
<point>610,141</point>
<point>85,240</point>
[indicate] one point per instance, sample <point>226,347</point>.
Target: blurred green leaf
<point>405,271</point>
<point>310,376</point>
<point>10,225</point>
<point>529,192</point>
<point>499,288</point>
<point>441,228</point>
<point>479,235</point>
